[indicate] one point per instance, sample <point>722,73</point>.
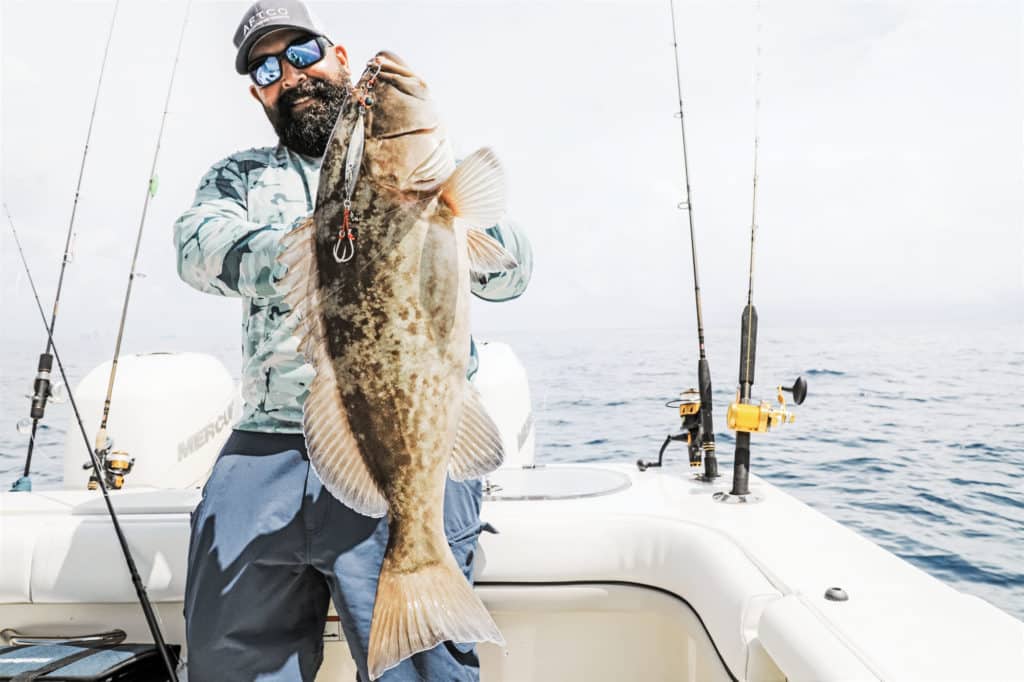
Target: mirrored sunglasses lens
<point>267,72</point>
<point>304,54</point>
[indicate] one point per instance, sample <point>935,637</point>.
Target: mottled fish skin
<point>397,316</point>
<point>393,324</point>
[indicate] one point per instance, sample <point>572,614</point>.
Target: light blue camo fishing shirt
<point>228,244</point>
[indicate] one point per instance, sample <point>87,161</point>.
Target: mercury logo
<point>203,435</point>
<point>262,17</point>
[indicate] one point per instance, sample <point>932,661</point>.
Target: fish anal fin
<point>475,192</point>
<point>415,611</point>
<point>478,449</point>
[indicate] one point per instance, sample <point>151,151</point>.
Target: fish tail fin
<point>415,611</point>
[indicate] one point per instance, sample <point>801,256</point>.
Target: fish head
<point>388,150</point>
<point>407,147</point>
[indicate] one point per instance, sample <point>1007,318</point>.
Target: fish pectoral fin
<point>478,448</point>
<point>487,255</point>
<point>475,192</point>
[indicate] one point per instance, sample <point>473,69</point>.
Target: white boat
<point>597,572</point>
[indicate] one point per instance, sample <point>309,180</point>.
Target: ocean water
<point>913,437</point>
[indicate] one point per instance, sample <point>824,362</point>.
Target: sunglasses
<point>300,54</point>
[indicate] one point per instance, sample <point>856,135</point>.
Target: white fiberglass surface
<point>593,632</point>
<point>589,632</point>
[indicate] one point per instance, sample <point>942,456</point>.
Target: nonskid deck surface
<point>754,575</point>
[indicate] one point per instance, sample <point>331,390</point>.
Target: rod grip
<point>748,349</point>
<point>707,426</point>
<point>41,386</point>
<point>704,382</point>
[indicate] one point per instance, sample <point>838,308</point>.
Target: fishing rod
<point>117,465</point>
<point>140,588</point>
<point>744,417</point>
<point>695,407</point>
<point>41,388</point>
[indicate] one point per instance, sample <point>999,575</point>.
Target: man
<point>269,545</point>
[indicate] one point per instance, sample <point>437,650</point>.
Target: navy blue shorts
<point>270,546</point>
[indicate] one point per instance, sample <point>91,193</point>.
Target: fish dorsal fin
<point>475,192</point>
<point>333,449</point>
<point>486,254</point>
<point>478,449</point>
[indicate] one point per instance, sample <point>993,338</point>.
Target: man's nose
<point>290,76</point>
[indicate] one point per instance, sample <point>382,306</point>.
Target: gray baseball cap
<point>264,17</point>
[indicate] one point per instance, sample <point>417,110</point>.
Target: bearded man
<point>270,546</point>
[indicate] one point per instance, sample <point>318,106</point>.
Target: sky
<point>890,154</point>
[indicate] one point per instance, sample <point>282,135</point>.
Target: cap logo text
<point>262,17</point>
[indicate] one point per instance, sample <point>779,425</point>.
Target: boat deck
<point>652,551</point>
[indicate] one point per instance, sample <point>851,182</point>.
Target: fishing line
<point>103,443</point>
<point>41,390</point>
<point>140,588</point>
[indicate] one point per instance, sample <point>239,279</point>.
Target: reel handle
<point>798,389</point>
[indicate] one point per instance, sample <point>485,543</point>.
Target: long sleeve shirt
<point>228,243</point>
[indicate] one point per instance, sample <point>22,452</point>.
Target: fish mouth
<point>390,69</point>
<point>404,133</point>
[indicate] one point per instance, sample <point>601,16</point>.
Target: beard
<point>308,130</point>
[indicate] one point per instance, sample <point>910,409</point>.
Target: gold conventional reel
<point>760,418</point>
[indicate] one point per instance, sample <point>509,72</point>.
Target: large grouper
<point>378,283</point>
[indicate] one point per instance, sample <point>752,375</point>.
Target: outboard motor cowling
<point>505,392</point>
<point>171,414</point>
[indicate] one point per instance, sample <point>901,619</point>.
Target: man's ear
<point>255,93</point>
<point>341,54</point>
